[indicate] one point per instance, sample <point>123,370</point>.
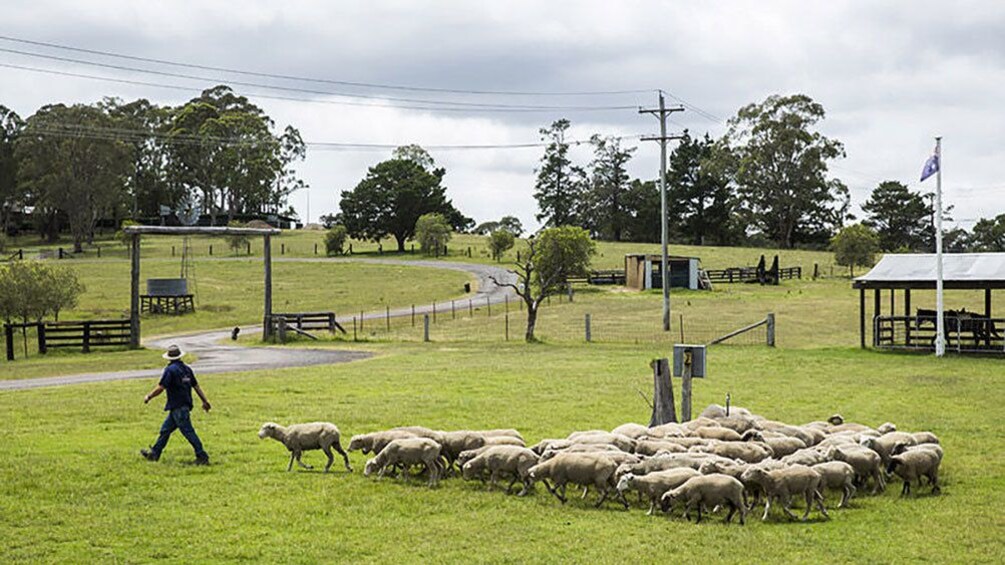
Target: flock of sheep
<point>719,460</point>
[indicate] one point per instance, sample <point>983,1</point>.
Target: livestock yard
<point>74,489</point>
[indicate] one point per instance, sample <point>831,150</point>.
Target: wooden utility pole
<point>663,407</point>
<point>662,113</point>
<point>267,257</point>
<point>134,293</point>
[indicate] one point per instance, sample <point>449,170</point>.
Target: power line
<point>451,103</point>
<point>284,98</point>
<point>320,80</point>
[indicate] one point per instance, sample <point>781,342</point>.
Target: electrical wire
<point>321,80</point>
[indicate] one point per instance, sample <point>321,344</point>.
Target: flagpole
<point>940,334</point>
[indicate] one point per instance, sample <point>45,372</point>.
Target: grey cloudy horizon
<point>890,75</point>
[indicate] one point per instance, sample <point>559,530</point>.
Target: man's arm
<point>156,391</point>
<point>202,395</point>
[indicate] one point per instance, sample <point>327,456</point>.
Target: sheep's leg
<point>331,458</point>
<point>700,506</point>
<point>652,506</point>
<point>555,491</point>
<point>809,504</point>
<point>293,455</point>
<point>933,479</point>
<point>743,514</point>
<point>603,497</point>
<point>509,487</point>
<point>301,463</point>
<point>527,485</point>
<point>586,489</point>
<point>345,456</point>
<point>786,501</point>
<point>434,473</point>
<point>621,497</point>
<point>493,479</point>
<point>819,497</point>
<point>906,490</point>
<point>767,506</point>
<point>732,510</point>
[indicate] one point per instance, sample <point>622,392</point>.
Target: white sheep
<point>780,444</point>
<point>406,453</point>
<point>914,464</point>
<point>884,444</point>
<point>584,469</point>
<point>782,484</point>
<point>837,475</point>
<point>866,463</point>
<point>498,460</point>
<point>707,490</point>
<point>654,485</point>
<point>305,437</point>
<point>634,431</point>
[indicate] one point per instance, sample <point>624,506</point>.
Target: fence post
<point>354,328</point>
<point>664,411</point>
<point>361,321</point>
<point>315,249</point>
<point>506,301</point>
<point>99,252</point>
<point>471,309</point>
<point>331,322</point>
<point>282,249</point>
<point>771,329</point>
<point>685,395</point>
<point>387,316</point>
<point>507,326</point>
<point>453,311</point>
<point>488,305</point>
<point>425,327</point>
<point>434,312</point>
<point>413,315</point>
<point>589,335</point>
<point>8,331</point>
<point>172,251</point>
<point>43,347</point>
<point>87,337</point>
<point>210,249</point>
<point>249,248</point>
<point>281,326</point>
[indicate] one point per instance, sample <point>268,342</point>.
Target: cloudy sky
<point>891,76</point>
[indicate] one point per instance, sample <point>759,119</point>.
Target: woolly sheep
<point>780,446</point>
<point>925,437</point>
<point>406,453</point>
<point>465,456</point>
<point>809,457</point>
<point>717,412</point>
<point>305,437</point>
<point>719,433</point>
<point>837,475</point>
<point>782,484</point>
<point>671,429</point>
<point>809,436</point>
<point>499,460</point>
<point>669,461</point>
<point>585,469</point>
<point>508,432</point>
<point>634,431</point>
<point>933,447</point>
<point>707,490</point>
<point>624,443</point>
<point>886,428</point>
<point>504,440</point>
<point>654,485</point>
<point>747,451</point>
<point>419,431</point>
<point>866,463</point>
<point>914,464</point>
<point>885,443</point>
<point>580,448</point>
<point>376,441</point>
<point>652,447</point>
<point>700,422</point>
<point>457,441</point>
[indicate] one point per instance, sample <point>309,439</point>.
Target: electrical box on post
<point>689,357</point>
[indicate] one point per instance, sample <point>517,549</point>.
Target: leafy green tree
<point>779,164</point>
<point>501,241</point>
<point>335,239</point>
<point>11,196</point>
<point>32,290</point>
<point>560,186</point>
<point>855,245</point>
<point>73,172</point>
<point>234,241</point>
<point>608,185</point>
<point>415,154</point>
<point>989,234</point>
<point>433,232</point>
<point>902,219</point>
<point>391,198</point>
<point>511,224</point>
<point>699,200</point>
<point>550,259</point>
<point>642,201</point>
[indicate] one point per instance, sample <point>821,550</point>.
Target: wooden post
<point>771,329</point>
<point>43,347</point>
<point>361,321</point>
<point>8,332</point>
<point>354,328</point>
<point>987,302</point>
<point>387,316</point>
<point>315,249</point>
<point>249,248</point>
<point>267,308</point>
<point>506,301</point>
<point>434,312</point>
<point>471,309</point>
<point>589,336</point>
<point>425,327</point>
<point>87,337</point>
<point>664,411</point>
<point>282,249</point>
<point>453,311</point>
<point>861,317</point>
<point>488,305</point>
<point>134,293</point>
<point>877,309</point>
<point>281,328</point>
<point>907,313</point>
<point>210,250</point>
<point>99,252</point>
<point>172,251</point>
<point>507,326</point>
<point>331,322</point>
<point>413,315</point>
<point>685,390</point>
<point>816,271</point>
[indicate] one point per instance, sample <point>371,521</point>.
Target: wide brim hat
<point>173,353</point>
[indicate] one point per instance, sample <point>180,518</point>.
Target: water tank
<point>167,287</point>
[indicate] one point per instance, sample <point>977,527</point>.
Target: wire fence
<point>559,321</point>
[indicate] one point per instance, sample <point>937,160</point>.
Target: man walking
<point>178,380</point>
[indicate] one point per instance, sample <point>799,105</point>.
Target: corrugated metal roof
<point>920,267</point>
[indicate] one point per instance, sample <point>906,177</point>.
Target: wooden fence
<point>963,335</point>
<point>84,334</point>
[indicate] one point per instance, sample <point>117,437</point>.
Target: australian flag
<point>931,166</point>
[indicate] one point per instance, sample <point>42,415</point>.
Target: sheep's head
<point>869,442</point>
<point>625,482</point>
<point>835,420</point>
<point>623,469</point>
<point>357,442</point>
<point>899,447</point>
<point>753,475</point>
<point>668,499</point>
<point>708,467</point>
<point>886,428</point>
<point>468,471</point>
<point>752,435</point>
<point>536,472</point>
<point>268,429</point>
<point>370,467</point>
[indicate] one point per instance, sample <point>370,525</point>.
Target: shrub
<point>855,245</point>
<point>236,242</point>
<point>335,239</point>
<point>433,232</point>
<point>500,241</point>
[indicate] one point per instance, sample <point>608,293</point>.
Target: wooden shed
<point>642,271</point>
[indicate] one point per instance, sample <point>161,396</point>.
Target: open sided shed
<point>135,232</point>
<point>965,331</point>
<point>642,271</point>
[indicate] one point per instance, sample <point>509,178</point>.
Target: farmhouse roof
<point>959,270</point>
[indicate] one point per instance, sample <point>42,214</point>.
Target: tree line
<point>765,182</point>
<point>74,165</point>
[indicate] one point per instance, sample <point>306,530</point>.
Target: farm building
<point>965,331</point>
<point>642,272</point>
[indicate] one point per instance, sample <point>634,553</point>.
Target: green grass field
<point>73,487</point>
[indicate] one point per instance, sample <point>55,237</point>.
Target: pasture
<point>73,487</point>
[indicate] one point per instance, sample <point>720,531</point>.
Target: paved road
<point>217,357</point>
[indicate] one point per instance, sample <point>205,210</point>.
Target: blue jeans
<point>178,419</point>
